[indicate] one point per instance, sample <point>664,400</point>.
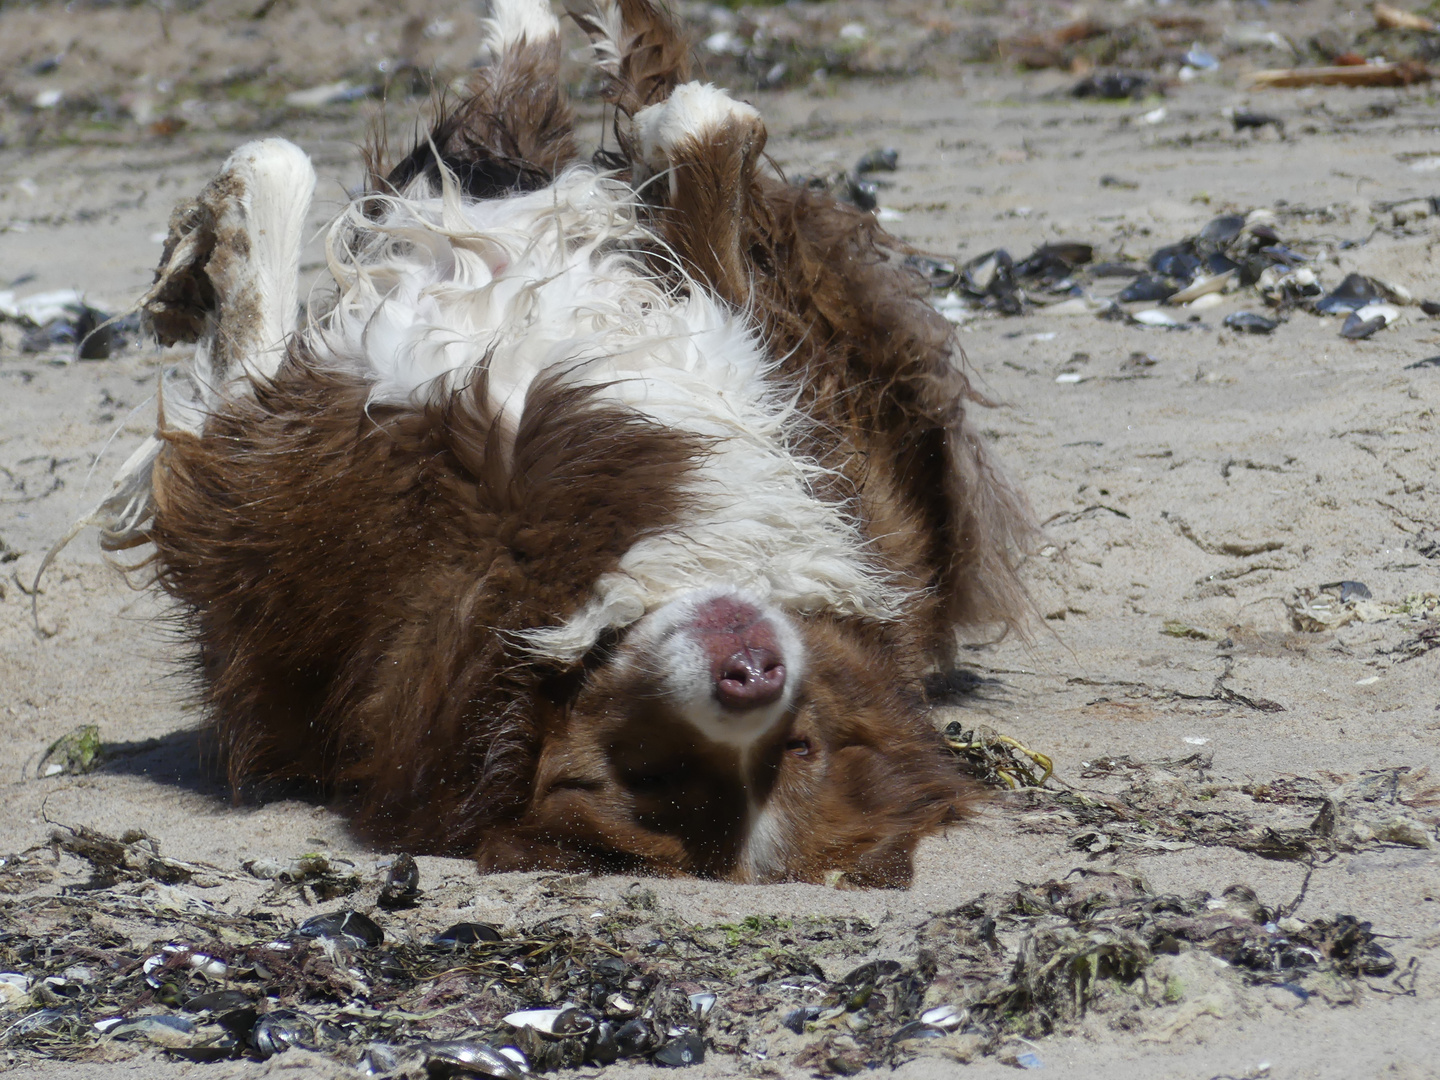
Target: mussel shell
<point>917,1029</point>
<point>1352,294</point>
<point>634,1037</point>
<point>1148,289</point>
<point>1250,323</point>
<point>796,1019</point>
<point>881,159</point>
<point>1177,261</point>
<point>556,1023</point>
<point>1222,230</point>
<point>938,273</point>
<point>460,1057</point>
<point>280,1029</point>
<point>603,1048</point>
<point>610,969</point>
<point>686,1049</point>
<point>1356,328</point>
<point>402,883</point>
<point>345,925</point>
<point>863,193</point>
<point>466,933</point>
<point>872,972</point>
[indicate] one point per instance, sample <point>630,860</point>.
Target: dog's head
<point>721,736</point>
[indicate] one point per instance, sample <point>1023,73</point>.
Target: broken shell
<point>619,1005</point>
<point>702,1004</point>
<point>1209,300</point>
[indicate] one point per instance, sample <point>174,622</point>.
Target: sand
<point>1207,486</point>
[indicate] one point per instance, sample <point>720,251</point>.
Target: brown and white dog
<point>605,520</point>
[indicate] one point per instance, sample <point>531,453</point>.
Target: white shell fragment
<point>702,1004</point>
<point>1209,300</point>
<point>1153,317</point>
<point>1388,311</point>
<point>540,1019</point>
<point>945,1016</point>
<point>1203,287</point>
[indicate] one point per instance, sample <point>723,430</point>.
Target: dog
<point>605,518</point>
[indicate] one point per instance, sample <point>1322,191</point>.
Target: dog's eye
<point>798,747</point>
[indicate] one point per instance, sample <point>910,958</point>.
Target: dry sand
<point>1309,458</point>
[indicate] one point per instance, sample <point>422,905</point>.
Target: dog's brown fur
<point>356,579</point>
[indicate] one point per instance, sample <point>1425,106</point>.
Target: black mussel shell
<point>796,1019</point>
<point>1147,288</point>
<point>1250,323</point>
<point>687,1049</point>
<point>1356,328</point>
<point>1348,590</point>
<point>633,1037</point>
<point>1113,269</point>
<point>402,884</point>
<point>1177,261</point>
<point>603,1047</point>
<point>863,193</point>
<point>1244,118</point>
<point>1350,295</point>
<point>1222,230</point>
<point>1112,85</point>
<point>1219,263</point>
<point>610,969</point>
<point>1430,307</point>
<point>938,273</point>
<point>280,1029</point>
<point>882,159</point>
<point>992,274</point>
<point>351,926</point>
<point>1052,263</point>
<point>466,933</point>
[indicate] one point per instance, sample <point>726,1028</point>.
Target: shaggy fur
<point>477,555</point>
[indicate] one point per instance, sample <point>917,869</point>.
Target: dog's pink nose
<point>745,657</point>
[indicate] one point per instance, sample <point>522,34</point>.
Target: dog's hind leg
<point>514,130</point>
<point>695,157</point>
